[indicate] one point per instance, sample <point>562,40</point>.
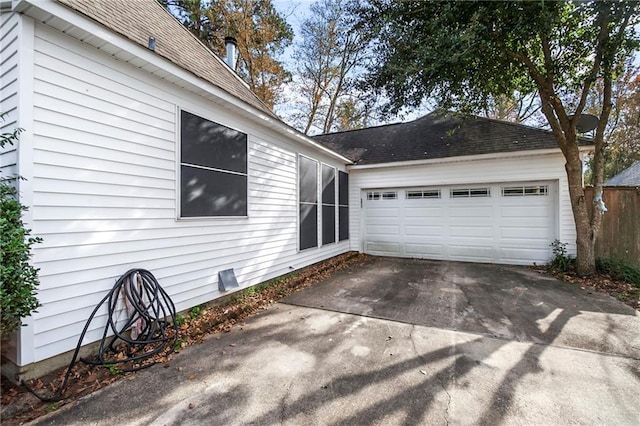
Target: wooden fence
<point>619,235</point>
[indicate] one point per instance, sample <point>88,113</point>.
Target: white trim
<point>26,34</point>
<point>154,59</point>
<point>462,158</point>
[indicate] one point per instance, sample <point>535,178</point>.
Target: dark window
<point>520,191</point>
<point>213,168</point>
<point>469,192</point>
<point>343,206</point>
<point>328,204</point>
<point>425,193</point>
<point>308,194</point>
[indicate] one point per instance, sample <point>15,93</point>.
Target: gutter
<point>516,154</point>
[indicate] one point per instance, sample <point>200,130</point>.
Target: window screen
<point>343,206</point>
<point>213,168</point>
<point>328,204</point>
<point>308,199</point>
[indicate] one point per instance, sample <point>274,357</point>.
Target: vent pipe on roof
<point>232,47</point>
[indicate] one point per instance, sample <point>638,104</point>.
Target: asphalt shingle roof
<point>138,20</point>
<point>627,177</point>
<point>436,135</point>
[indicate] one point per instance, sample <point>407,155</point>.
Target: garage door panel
<point>424,231</point>
<point>472,232</point>
<point>470,252</point>
<point>535,234</point>
<point>424,212</point>
<point>377,230</point>
<point>433,251</point>
<point>383,248</point>
<point>518,256</point>
<point>383,212</point>
<point>516,228</point>
<point>532,211</point>
<point>471,211</point>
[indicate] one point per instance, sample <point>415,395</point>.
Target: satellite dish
<point>586,122</point>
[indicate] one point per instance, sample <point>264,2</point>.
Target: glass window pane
<point>209,144</point>
<point>212,193</point>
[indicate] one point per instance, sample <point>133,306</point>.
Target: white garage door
<point>498,223</point>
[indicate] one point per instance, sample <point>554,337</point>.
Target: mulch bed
<point>623,291</point>
<point>20,406</point>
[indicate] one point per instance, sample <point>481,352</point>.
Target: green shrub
<point>18,279</point>
<point>561,261</point>
<point>619,270</point>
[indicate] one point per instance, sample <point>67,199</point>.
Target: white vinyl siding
<point>105,193</point>
<point>9,34</point>
<point>461,175</point>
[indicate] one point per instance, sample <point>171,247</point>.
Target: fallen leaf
<point>191,377</point>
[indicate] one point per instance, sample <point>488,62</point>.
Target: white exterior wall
<point>515,168</point>
<point>9,40</point>
<point>105,193</point>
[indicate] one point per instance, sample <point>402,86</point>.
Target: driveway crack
<point>283,404</point>
<point>447,409</point>
<point>440,380</point>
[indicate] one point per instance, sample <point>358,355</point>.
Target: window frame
<point>300,203</point>
<point>525,191</point>
<point>343,207</point>
<point>323,204</point>
<point>470,192</point>
<point>179,165</point>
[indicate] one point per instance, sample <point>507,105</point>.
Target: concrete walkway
<point>400,342</point>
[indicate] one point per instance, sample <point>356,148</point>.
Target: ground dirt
<point>20,406</point>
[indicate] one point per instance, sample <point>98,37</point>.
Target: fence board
<point>619,235</point>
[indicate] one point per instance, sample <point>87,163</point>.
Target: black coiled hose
<point>151,313</point>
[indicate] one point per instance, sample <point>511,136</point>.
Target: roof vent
<point>232,46</point>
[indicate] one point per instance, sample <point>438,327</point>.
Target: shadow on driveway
<point>509,302</point>
<point>399,342</point>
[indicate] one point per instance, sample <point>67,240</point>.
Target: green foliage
<point>261,32</point>
<point>465,54</point>
<point>561,261</point>
<point>18,279</point>
<point>114,370</point>
<point>195,312</point>
<point>180,319</point>
<point>619,270</point>
<point>179,344</point>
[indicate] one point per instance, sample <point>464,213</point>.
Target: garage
<point>511,223</point>
<point>452,187</point>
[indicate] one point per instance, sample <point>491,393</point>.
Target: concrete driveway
<point>397,341</point>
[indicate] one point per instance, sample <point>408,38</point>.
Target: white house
<point>468,189</point>
<point>121,172</point>
<point>142,149</point>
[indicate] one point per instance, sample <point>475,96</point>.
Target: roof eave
<point>84,23</point>
<point>491,156</point>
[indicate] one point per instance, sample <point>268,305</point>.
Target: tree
<point>328,57</point>
<point>623,130</point>
<point>262,35</point>
<point>465,53</point>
